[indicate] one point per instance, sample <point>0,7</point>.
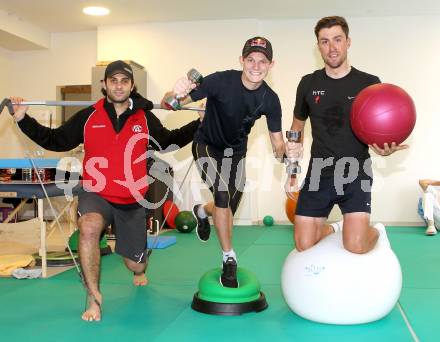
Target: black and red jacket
<point>115,147</point>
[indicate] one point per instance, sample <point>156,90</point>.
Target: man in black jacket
<point>116,133</point>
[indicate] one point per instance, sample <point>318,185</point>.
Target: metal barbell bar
<point>7,103</point>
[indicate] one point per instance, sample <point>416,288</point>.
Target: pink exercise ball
<point>383,113</point>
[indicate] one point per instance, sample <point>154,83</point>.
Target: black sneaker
<point>203,229</point>
<point>229,273</point>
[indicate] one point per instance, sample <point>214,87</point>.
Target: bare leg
<point>90,227</point>
<point>358,236</point>
<point>222,218</point>
<point>309,231</point>
<point>139,269</point>
<point>209,208</point>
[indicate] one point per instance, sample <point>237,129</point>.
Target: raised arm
<point>64,138</point>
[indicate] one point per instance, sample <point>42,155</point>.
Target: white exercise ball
<point>329,284</point>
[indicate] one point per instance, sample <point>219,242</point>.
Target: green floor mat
<point>419,256</point>
<point>50,309</point>
<point>278,323</point>
<point>277,235</point>
<point>265,261</point>
<point>128,312</point>
<point>422,307</point>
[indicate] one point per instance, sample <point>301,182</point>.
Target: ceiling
<point>66,15</point>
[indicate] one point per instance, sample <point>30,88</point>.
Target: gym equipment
<point>170,211</point>
<point>57,259</point>
<point>329,284</point>
<point>167,213</point>
<point>213,298</point>
<point>8,104</point>
<point>160,242</point>
<point>290,207</point>
<point>293,168</point>
<point>18,163</point>
<point>383,113</point>
<point>268,220</point>
<point>103,245</point>
<point>185,221</point>
<point>161,175</point>
<point>39,190</point>
<point>172,102</point>
<point>73,241</point>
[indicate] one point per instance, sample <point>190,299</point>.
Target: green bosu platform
<point>213,298</point>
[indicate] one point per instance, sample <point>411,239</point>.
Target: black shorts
<point>317,200</point>
<point>224,172</point>
<point>128,225</point>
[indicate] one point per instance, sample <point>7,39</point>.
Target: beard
<point>335,64</point>
<point>114,100</point>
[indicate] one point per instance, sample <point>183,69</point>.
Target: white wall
<point>401,50</point>
<point>35,75</point>
<point>68,61</point>
<point>5,71</point>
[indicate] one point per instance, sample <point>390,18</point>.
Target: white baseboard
<point>386,223</point>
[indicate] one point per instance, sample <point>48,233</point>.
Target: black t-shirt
<point>327,101</point>
<point>231,110</point>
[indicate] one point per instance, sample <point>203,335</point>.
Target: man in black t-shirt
<point>235,100</point>
<point>339,171</point>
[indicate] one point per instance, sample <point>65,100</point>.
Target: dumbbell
<point>172,102</point>
<point>293,168</point>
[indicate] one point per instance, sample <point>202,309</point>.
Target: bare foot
<point>140,279</point>
<point>93,312</point>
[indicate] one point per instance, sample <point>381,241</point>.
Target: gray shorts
<point>129,226</point>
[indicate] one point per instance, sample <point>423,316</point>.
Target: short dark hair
<point>328,22</point>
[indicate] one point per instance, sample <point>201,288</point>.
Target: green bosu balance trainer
<point>213,298</point>
<point>56,259</point>
<point>103,246</point>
